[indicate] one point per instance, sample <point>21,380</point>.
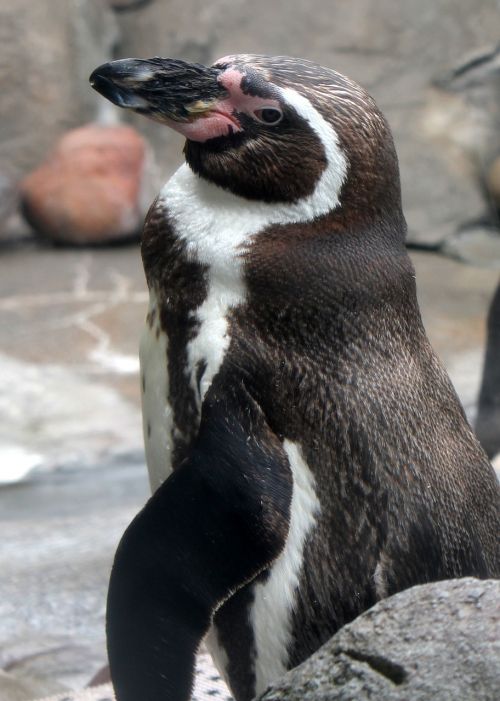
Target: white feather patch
<point>157,416</point>
<point>217,652</point>
<point>495,461</point>
<point>274,599</point>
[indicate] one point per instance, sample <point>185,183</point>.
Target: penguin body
<point>308,453</point>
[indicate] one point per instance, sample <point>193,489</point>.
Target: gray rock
<point>479,245</point>
<point>438,642</point>
<point>469,125</point>
<point>59,535</point>
<point>48,49</point>
<point>7,197</point>
<point>12,688</point>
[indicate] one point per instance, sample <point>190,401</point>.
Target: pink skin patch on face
<point>221,120</point>
<point>217,122</point>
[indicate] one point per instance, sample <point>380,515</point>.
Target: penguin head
<point>266,128</point>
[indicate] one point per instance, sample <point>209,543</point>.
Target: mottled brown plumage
<point>325,352</point>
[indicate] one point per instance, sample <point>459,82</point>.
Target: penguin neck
<point>334,277</point>
<point>222,231</point>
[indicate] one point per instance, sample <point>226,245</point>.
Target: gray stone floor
<point>71,459</point>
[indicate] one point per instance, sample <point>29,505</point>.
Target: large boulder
<point>436,642</point>
<point>91,188</point>
<point>465,119</point>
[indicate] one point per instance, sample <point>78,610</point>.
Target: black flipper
<point>220,519</point>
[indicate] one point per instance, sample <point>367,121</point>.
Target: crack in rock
<point>392,671</point>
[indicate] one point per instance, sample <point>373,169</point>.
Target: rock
<point>53,665</point>
<point>14,689</point>
<point>436,642</point>
<point>8,198</point>
<point>90,189</point>
<point>492,181</point>
<point>465,120</point>
<point>45,76</point>
<point>488,417</point>
<point>478,245</point>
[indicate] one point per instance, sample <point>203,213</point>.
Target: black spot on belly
<point>143,379</point>
<point>149,429</point>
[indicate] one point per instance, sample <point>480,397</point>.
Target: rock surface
<point>436,642</point>
<point>8,199</point>
<point>91,188</point>
<point>13,688</point>
<point>479,245</point>
<point>59,535</point>
<point>48,49</point>
<point>69,327</point>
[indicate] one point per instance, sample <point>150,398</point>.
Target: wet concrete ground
<point>71,457</point>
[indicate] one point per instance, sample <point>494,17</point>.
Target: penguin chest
<point>178,366</point>
<point>180,359</point>
<point>157,413</point>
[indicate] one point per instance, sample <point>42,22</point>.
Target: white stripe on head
<point>213,221</point>
<point>327,191</point>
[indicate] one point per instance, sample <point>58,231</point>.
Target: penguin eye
<point>268,115</point>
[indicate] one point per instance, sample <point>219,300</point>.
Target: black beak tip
<point>97,74</point>
<point>104,79</point>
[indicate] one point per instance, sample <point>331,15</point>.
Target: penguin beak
<point>167,90</point>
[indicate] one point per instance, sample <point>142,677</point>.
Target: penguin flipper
<point>219,519</point>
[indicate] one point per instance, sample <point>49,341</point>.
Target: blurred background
<point>76,177</point>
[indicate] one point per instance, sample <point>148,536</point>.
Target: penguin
<point>307,452</point>
<point>488,414</point>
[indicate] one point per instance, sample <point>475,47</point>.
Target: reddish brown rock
<point>89,190</point>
